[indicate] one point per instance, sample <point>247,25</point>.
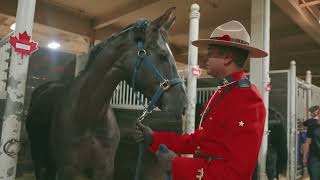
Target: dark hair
<point>240,56</point>
<point>313,109</point>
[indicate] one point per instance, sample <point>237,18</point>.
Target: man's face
<point>216,60</point>
<point>317,113</point>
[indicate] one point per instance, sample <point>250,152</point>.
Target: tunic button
<point>200,127</point>
<point>210,118</point>
<point>197,151</point>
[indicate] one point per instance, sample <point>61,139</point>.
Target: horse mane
<point>95,50</point>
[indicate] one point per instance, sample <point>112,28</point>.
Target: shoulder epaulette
<point>244,83</point>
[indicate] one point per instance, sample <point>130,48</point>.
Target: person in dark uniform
<point>311,122</point>
<point>227,142</point>
<point>311,153</point>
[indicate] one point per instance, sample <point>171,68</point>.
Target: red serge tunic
<point>231,130</point>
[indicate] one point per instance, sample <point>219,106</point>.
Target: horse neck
<point>102,78</point>
<point>103,89</point>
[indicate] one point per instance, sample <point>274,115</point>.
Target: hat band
<point>228,38</point>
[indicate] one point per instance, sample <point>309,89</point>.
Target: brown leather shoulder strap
<point>228,89</point>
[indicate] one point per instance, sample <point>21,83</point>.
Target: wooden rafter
<point>307,5</point>
<point>310,3</point>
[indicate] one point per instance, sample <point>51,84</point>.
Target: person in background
<point>311,151</point>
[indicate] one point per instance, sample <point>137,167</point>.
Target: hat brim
<point>253,52</point>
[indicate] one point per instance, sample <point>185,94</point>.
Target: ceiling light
<point>54,45</point>
<point>13,26</point>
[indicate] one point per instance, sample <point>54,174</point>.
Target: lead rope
<point>163,86</point>
<point>141,54</point>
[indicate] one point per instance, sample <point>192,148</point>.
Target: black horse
<point>72,128</point>
<point>277,152</point>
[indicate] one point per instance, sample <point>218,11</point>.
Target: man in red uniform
<point>226,144</point>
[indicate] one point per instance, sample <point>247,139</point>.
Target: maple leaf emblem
<point>23,45</point>
<point>24,36</point>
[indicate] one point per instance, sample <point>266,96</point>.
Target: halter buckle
<point>144,115</point>
<point>165,85</point>
<point>142,53</point>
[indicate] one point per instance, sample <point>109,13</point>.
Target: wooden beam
<point>310,10</point>
<point>53,16</point>
<point>313,75</point>
<point>311,3</point>
<point>113,17</point>
<point>310,25</point>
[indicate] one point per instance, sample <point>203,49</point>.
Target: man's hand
<point>305,161</point>
<point>165,159</point>
<point>143,134</point>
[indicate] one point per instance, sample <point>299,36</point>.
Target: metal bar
<point>206,96</point>
<point>127,94</point>
<point>189,123</point>
<point>121,93</point>
<point>142,99</point>
<point>259,69</point>
<point>13,113</point>
<point>130,100</point>
<point>309,91</point>
<point>134,98</point>
<point>288,120</point>
<point>203,96</point>
<point>292,121</point>
<point>123,96</point>
<point>2,68</point>
<point>4,40</point>
<point>117,94</point>
<point>279,71</point>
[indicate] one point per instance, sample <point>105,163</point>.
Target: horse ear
<point>166,20</point>
<point>169,24</point>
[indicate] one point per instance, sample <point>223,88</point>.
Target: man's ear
<point>228,59</point>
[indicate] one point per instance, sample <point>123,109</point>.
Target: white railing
<point>124,97</point>
<point>203,94</point>
<point>315,95</point>
<point>5,54</point>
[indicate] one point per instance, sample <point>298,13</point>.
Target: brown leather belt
<point>208,157</point>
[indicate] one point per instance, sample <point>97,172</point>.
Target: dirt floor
<point>303,178</point>
<point>31,177</point>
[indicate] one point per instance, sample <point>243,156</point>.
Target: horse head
<point>153,69</point>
